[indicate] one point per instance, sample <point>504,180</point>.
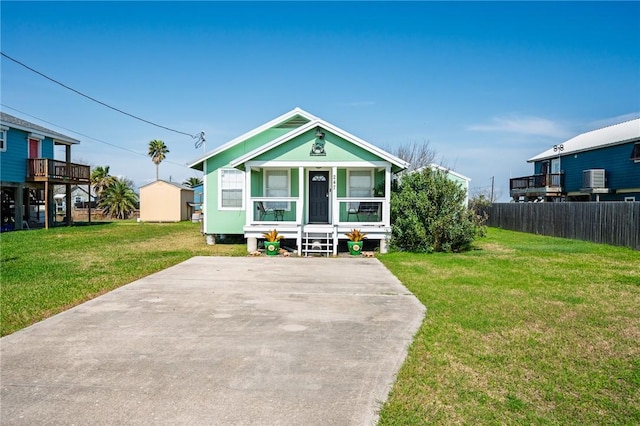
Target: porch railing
<point>43,169</point>
<point>272,210</point>
<point>361,210</point>
<point>555,180</point>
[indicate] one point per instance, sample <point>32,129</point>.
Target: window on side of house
<point>360,183</point>
<point>635,153</point>
<point>231,193</point>
<point>3,138</point>
<point>277,185</point>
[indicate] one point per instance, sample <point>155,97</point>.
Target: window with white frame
<point>277,185</point>
<point>3,138</point>
<point>635,153</point>
<point>231,189</point>
<point>360,183</point>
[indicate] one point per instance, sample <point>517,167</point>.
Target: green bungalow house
<point>303,176</point>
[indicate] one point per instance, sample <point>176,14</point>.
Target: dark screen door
<point>319,197</point>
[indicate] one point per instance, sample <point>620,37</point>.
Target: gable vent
<point>292,123</point>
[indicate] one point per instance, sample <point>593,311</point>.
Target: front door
<point>319,197</point>
<point>34,148</point>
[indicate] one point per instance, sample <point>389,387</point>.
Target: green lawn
<point>44,272</point>
<point>523,330</point>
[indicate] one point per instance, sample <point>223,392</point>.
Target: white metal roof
<point>611,135</point>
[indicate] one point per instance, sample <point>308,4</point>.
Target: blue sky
<point>487,84</point>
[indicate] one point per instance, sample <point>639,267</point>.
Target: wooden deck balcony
<point>541,185</point>
<point>56,171</point>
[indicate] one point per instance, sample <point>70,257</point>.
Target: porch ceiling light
<point>319,133</point>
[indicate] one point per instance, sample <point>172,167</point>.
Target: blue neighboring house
<point>29,173</point>
<point>600,165</point>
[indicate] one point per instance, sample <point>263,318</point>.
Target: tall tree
<point>101,179</point>
<point>192,182</point>
<point>119,199</point>
<point>157,151</point>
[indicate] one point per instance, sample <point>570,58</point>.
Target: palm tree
<point>157,151</point>
<point>119,199</point>
<point>101,179</point>
<point>192,182</point>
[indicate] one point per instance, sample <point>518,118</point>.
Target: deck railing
<point>555,180</point>
<point>42,169</point>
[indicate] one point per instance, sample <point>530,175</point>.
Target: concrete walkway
<point>239,341</point>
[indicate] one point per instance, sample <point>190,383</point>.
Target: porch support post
<point>67,201</point>
<point>68,176</point>
<point>300,209</point>
<point>387,197</point>
<point>89,205</point>
<point>335,207</point>
<point>247,196</point>
<point>47,207</point>
<point>18,200</point>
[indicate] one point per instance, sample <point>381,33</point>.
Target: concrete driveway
<point>242,341</point>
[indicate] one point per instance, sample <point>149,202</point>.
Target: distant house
<point>304,176</point>
<point>601,165</point>
<point>80,197</point>
<point>29,173</point>
<point>456,177</point>
<point>163,201</point>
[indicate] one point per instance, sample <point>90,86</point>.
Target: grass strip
<point>44,272</point>
<point>524,329</point>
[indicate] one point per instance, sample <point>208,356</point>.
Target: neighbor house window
<point>3,138</point>
<point>277,185</point>
<point>360,183</point>
<point>231,189</point>
<point>635,153</point>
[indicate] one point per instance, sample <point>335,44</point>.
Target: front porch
<point>316,206</point>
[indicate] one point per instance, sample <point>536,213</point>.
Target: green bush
<point>428,214</point>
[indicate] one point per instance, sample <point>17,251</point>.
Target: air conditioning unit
<point>593,178</point>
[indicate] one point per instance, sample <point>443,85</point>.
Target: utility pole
<point>492,181</point>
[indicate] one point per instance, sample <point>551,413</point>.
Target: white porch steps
<point>318,242</point>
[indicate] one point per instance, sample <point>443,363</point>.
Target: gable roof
<point>447,170</point>
<point>18,123</point>
<point>300,121</point>
<point>176,184</point>
<point>612,135</point>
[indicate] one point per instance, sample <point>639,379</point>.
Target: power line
<point>87,136</point>
<point>199,136</point>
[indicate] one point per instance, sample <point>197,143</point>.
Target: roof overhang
<point>397,163</point>
<point>617,134</point>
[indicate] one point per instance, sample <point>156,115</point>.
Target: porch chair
<point>265,211</point>
<point>353,208</point>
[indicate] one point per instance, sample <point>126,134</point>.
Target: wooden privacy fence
<point>615,223</point>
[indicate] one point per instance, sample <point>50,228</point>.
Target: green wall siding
<point>299,149</point>
<point>296,150</point>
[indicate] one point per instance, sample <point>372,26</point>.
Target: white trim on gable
<point>313,122</point>
<point>254,132</point>
<point>326,126</point>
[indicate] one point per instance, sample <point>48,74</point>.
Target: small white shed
<point>163,201</point>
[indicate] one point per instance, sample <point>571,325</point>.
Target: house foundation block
<point>252,244</point>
